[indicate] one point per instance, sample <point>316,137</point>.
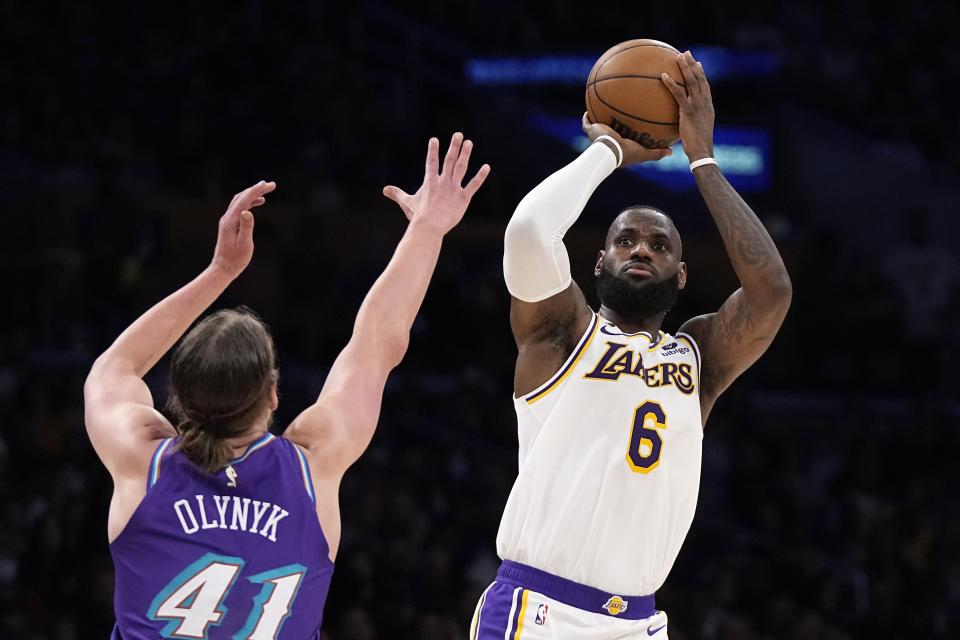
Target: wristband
<point>615,144</point>
<point>701,162</point>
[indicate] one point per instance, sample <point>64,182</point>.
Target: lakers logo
<point>615,605</point>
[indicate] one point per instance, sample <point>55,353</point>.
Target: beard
<point>643,299</point>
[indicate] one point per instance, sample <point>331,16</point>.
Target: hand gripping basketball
<point>696,107</point>
<point>441,201</point>
<point>633,152</point>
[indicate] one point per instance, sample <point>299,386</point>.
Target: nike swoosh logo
<point>650,632</point>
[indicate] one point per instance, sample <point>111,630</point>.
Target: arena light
<point>743,153</point>
<point>718,62</point>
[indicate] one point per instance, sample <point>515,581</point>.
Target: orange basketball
<point>624,92</point>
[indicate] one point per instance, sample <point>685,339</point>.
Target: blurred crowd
<point>826,508</point>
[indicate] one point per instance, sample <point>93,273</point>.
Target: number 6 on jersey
<point>646,445</point>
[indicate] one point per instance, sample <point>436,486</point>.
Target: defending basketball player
<point>217,527</point>
<point>610,408</point>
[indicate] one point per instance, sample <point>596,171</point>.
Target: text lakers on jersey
<point>619,359</point>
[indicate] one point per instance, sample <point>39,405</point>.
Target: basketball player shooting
<point>217,527</point>
<point>610,408</point>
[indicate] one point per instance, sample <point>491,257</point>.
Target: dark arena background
<point>828,507</point>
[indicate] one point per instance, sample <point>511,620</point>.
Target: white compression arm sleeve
<point>535,262</point>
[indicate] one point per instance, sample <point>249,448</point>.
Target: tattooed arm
<point>736,335</point>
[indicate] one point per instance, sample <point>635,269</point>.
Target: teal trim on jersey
<point>196,567</point>
<point>305,468</point>
<point>258,602</point>
<point>259,444</point>
<point>155,463</point>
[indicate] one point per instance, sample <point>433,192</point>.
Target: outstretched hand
<point>633,152</point>
<point>441,201</point>
<point>696,107</point>
<point>235,234</point>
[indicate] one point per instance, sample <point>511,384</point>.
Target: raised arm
<point>548,311</point>
<point>339,426</point>
<point>118,407</point>
<point>736,335</point>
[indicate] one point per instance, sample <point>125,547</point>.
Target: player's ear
<point>274,398</point>
<point>682,275</point>
<point>599,266</point>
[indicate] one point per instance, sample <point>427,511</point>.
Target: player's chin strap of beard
<point>535,262</point>
<point>651,299</point>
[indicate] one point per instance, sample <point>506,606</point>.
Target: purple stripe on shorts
<point>575,594</point>
<point>495,612</point>
<point>517,606</point>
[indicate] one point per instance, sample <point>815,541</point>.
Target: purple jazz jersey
<point>234,554</point>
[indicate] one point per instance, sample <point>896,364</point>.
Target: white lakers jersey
<point>610,452</point>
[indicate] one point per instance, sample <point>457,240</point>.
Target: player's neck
<point>241,443</point>
<point>632,324</point>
